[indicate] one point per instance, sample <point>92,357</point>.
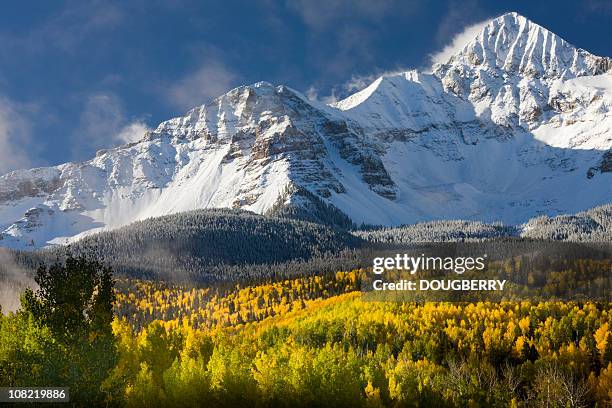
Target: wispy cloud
<point>460,24</point>
<point>15,137</point>
<point>312,93</point>
<point>132,132</point>
<point>598,6</point>
<point>15,280</point>
<point>210,80</point>
<point>318,14</point>
<point>457,43</point>
<point>67,28</point>
<point>103,124</point>
<point>343,36</point>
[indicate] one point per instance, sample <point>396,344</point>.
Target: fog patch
<point>14,279</point>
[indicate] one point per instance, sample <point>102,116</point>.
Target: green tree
<point>75,303</point>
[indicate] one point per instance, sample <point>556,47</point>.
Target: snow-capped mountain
<point>516,124</point>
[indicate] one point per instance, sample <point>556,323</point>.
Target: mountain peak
<point>514,15</point>
<point>496,133</point>
<point>516,45</point>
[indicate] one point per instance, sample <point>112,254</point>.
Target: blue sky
<point>78,76</point>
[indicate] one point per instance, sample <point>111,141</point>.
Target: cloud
<point>359,82</point>
<point>330,99</point>
<point>102,125</point>
<point>457,43</point>
<point>598,6</point>
<point>74,24</point>
<point>342,36</point>
<point>132,133</point>
<point>15,142</point>
<point>66,29</point>
<point>458,26</point>
<point>312,93</point>
<point>318,14</point>
<point>13,281</point>
<point>210,80</point>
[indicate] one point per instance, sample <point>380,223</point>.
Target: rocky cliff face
<point>515,125</point>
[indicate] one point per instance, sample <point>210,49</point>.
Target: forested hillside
<point>436,231</point>
<point>208,245</point>
<point>215,246</point>
<point>594,225</point>
<point>315,342</point>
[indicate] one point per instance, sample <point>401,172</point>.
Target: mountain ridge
<point>491,136</point>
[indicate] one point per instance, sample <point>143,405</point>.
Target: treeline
<point>436,231</point>
<point>594,225</point>
<point>199,271</point>
<point>533,265</point>
<point>306,206</point>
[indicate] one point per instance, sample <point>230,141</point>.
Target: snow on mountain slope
<point>243,150</point>
<point>515,125</point>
